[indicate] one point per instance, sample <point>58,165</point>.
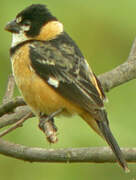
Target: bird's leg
<point>47,125</point>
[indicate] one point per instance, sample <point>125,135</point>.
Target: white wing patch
<point>54,82</point>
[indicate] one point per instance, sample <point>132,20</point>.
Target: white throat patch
<point>18,38</point>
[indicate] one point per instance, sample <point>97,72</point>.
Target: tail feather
<point>100,124</point>
<point>113,144</point>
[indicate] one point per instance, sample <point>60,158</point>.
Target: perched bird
<point>53,75</point>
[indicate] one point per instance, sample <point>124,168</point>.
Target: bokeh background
<point>104,31</point>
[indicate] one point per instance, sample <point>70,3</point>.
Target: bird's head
<point>34,23</point>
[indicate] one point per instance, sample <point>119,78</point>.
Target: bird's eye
<point>26,24</point>
<point>18,19</point>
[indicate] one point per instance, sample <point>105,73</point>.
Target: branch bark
<point>9,119</point>
<point>10,89</point>
<point>11,105</point>
<point>71,155</point>
<point>122,73</point>
<point>14,110</point>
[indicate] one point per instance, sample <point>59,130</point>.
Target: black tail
<point>105,130</point>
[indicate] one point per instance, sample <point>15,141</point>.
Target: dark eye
<point>26,23</point>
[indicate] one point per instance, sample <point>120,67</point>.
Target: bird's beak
<point>12,27</point>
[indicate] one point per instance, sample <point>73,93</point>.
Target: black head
<point>34,22</point>
<point>37,15</point>
<point>30,20</point>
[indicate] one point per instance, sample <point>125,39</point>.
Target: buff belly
<point>36,92</point>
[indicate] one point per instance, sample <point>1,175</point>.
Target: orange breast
<point>37,94</point>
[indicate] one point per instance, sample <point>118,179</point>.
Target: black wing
<point>61,59</point>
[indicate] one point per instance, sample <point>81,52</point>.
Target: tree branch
<point>92,154</point>
<point>10,89</point>
<point>14,110</point>
<point>9,119</point>
<point>10,105</point>
<point>122,73</point>
<point>17,124</point>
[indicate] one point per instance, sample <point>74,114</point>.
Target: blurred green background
<point>104,31</point>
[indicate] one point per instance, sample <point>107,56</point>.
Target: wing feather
<point>61,59</point>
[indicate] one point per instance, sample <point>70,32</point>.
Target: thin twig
<point>16,125</point>
<point>9,90</point>
<point>9,119</point>
<point>133,50</point>
<point>9,106</point>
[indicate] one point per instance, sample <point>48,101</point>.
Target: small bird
<point>52,74</point>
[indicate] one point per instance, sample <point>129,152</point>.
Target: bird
<point>53,76</point>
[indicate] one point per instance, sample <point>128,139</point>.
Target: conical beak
<point>12,27</point>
